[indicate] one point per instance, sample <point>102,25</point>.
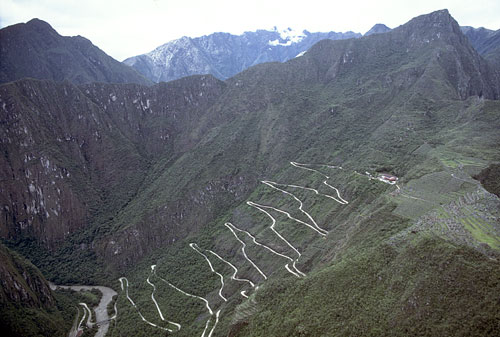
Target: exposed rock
<point>224,55</point>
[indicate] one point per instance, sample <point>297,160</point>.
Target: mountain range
<point>348,191</point>
<point>485,41</point>
<point>224,55</point>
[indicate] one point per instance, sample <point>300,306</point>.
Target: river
<point>101,311</point>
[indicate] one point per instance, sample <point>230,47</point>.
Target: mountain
<point>34,49</point>
<point>485,41</point>
<point>224,55</point>
<point>329,195</point>
<point>379,28</point>
<point>25,293</point>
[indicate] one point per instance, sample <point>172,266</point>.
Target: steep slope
<point>405,102</point>
<point>27,305</point>
<point>224,55</point>
<point>272,177</point>
<point>74,155</point>
<point>485,41</point>
<point>34,49</point>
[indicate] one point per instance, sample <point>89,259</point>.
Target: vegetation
<point>490,178</point>
<point>416,258</point>
<point>426,288</point>
<point>28,307</point>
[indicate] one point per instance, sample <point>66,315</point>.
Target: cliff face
<point>76,154</point>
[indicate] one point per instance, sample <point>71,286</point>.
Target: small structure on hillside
<point>388,178</point>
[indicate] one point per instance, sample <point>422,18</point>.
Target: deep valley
<point>352,190</point>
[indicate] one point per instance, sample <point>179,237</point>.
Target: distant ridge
<point>379,28</point>
<point>34,49</point>
<point>485,41</point>
<point>224,55</point>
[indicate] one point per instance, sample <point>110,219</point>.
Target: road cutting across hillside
<point>122,279</point>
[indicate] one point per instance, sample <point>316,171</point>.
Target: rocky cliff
<point>75,154</point>
<point>158,171</point>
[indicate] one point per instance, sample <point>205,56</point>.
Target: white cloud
<point>127,28</point>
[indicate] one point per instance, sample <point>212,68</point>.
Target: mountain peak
<point>438,25</point>
<point>440,18</point>
<point>40,26</point>
<point>377,29</point>
<point>31,50</point>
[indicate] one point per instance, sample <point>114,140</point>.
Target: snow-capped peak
<point>289,35</point>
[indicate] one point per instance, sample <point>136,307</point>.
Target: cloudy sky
<point>124,28</point>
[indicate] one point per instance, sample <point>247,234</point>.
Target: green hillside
<point>257,206</point>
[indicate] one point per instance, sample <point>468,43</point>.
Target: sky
<point>124,28</point>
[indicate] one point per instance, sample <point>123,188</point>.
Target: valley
<point>347,191</point>
<point>102,318</point>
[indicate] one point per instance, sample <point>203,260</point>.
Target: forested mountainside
<point>224,55</point>
<point>27,304</point>
<point>34,49</point>
<point>333,194</point>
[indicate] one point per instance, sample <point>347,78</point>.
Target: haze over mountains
<point>485,41</point>
<point>256,205</point>
<point>224,55</point>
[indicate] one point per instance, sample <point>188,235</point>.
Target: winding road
<point>153,267</point>
<point>298,273</point>
<point>254,240</point>
<point>304,167</point>
<point>101,311</point>
<point>231,227</point>
<point>233,276</point>
<point>122,279</point>
<point>290,266</point>
<point>207,305</point>
<point>197,249</point>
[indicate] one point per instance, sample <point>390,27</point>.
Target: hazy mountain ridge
<point>224,55</point>
<point>378,28</point>
<point>485,41</point>
<point>183,157</point>
<point>36,50</point>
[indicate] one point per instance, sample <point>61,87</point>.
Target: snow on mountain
<point>224,55</point>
